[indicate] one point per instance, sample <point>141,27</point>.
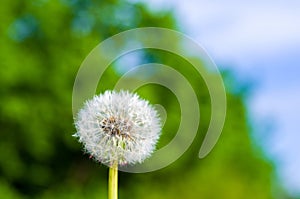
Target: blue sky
<point>259,41</point>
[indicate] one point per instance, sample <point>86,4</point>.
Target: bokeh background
<point>256,46</point>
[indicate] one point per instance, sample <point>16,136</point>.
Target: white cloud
<point>241,27</point>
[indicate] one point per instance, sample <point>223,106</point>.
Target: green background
<point>42,45</point>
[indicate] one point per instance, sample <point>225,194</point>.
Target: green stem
<point>113,182</point>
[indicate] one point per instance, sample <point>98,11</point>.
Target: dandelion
<point>118,128</point>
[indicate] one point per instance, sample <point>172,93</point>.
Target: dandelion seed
<point>118,128</point>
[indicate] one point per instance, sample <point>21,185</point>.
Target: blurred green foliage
<point>42,45</point>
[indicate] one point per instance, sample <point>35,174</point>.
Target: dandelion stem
<point>113,182</point>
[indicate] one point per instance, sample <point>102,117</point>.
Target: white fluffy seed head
<point>118,127</point>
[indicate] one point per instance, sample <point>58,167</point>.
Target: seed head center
<point>115,126</point>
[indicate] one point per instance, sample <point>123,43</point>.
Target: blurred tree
<point>42,46</point>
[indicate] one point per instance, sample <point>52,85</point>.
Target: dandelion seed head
<point>118,127</point>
